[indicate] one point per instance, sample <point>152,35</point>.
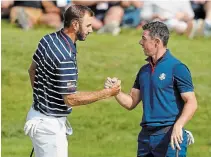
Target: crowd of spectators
<point>192,18</point>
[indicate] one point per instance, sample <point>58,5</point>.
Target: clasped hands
<point>114,84</point>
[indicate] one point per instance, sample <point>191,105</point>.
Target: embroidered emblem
<point>71,86</point>
<point>162,76</point>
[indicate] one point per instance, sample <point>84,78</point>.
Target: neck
<point>158,54</point>
<point>70,34</point>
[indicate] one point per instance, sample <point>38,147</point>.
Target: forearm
<point>83,98</point>
<point>125,100</point>
<point>187,113</point>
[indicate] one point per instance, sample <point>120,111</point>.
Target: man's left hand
<point>176,136</point>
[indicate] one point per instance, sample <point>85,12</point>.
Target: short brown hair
<point>75,12</point>
<point>159,30</point>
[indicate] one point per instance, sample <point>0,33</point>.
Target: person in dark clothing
<point>30,13</point>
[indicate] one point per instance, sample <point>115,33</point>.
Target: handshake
<point>114,84</point>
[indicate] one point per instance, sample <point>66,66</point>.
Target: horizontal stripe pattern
<point>56,74</point>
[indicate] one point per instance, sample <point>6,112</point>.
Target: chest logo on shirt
<point>162,76</point>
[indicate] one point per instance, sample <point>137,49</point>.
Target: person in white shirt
<point>175,15</point>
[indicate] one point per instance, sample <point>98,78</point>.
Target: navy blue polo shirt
<point>56,74</point>
<point>160,87</point>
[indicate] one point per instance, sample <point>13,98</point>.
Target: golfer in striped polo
<point>54,74</point>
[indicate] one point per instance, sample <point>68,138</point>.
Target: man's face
<point>85,27</point>
<point>148,44</point>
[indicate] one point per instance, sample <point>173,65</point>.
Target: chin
<point>81,39</point>
<point>145,53</point>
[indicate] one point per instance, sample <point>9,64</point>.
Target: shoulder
<point>177,64</point>
<point>173,60</point>
<point>144,68</point>
<point>49,38</point>
<point>55,48</point>
<point>45,40</point>
<point>181,68</point>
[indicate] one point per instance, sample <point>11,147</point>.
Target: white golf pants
<point>48,134</point>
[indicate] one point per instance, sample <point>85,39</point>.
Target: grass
<point>102,129</point>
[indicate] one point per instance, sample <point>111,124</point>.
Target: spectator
<point>201,25</point>
<point>132,11</point>
<point>5,8</point>
<point>62,5</point>
<point>175,15</point>
<point>108,15</point>
<point>30,13</point>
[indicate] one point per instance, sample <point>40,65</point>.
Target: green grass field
<point>102,129</point>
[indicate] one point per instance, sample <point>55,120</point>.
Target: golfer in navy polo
<point>164,85</point>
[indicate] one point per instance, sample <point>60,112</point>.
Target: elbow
<point>195,106</point>
<point>129,108</point>
<point>29,71</point>
<point>66,101</point>
<point>70,101</point>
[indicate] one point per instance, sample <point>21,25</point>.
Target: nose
<point>91,30</point>
<point>140,42</point>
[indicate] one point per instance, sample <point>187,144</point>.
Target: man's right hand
<point>115,90</point>
<point>110,82</point>
<point>113,84</point>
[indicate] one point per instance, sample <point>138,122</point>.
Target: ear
<point>75,25</point>
<point>157,41</point>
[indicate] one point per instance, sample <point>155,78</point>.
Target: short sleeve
<point>66,77</point>
<point>182,78</point>
<point>136,83</point>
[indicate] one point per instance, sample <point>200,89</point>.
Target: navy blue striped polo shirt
<point>160,87</point>
<point>56,74</point>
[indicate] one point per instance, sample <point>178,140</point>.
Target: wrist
<point>116,96</point>
<point>108,92</point>
<point>179,124</point>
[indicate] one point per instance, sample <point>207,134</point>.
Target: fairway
<point>102,129</point>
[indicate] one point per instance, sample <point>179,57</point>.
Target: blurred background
<point>103,129</point>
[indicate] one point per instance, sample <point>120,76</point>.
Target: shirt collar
<point>165,56</point>
<point>72,45</point>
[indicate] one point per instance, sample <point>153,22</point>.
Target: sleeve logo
<point>71,86</point>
